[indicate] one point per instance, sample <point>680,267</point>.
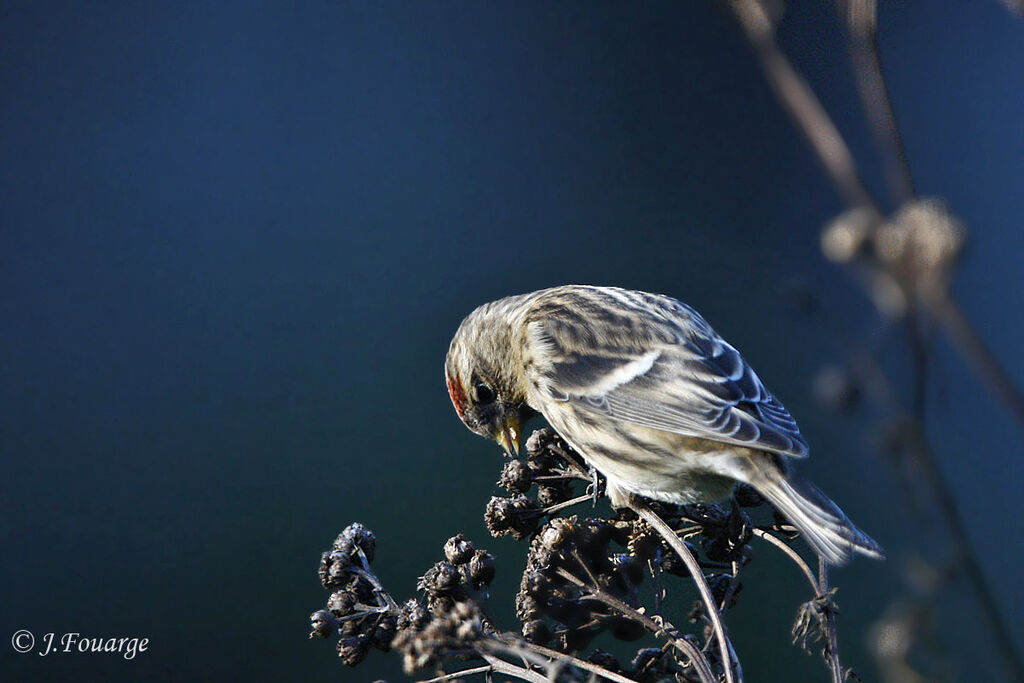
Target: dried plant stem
<point>831,630</point>
<point>979,356</point>
<point>820,587</point>
<point>862,22</point>
<point>696,657</point>
<point>799,561</point>
<point>799,100</point>
<point>465,673</point>
<point>569,659</point>
<point>499,665</point>
<point>567,504</point>
<point>725,648</point>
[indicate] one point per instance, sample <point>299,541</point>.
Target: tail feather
<point>827,530</point>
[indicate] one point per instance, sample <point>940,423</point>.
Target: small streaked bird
<point>644,389</point>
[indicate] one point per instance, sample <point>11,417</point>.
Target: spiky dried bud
<point>557,533</point>
<point>671,563</point>
<point>458,550</point>
<point>341,603</point>
<point>413,615</point>
<point>481,568</point>
<point>812,618</point>
<point>442,578</point>
<point>323,624</point>
<point>515,516</point>
<point>384,632</point>
<point>552,493</point>
<point>538,449</point>
<point>515,477</point>
<point>352,651</point>
<point>356,536</point>
<point>540,440</point>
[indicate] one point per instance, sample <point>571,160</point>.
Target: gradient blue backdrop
<point>236,237</point>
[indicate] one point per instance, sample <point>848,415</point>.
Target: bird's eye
<point>484,394</point>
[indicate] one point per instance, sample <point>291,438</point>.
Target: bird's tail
<point>828,531</point>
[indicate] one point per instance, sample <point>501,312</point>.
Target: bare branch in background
<point>862,22</point>
<point>802,105</point>
<point>905,262</point>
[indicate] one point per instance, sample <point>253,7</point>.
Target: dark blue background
<point>235,239</point>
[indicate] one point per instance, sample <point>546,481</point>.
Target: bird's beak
<point>508,437</point>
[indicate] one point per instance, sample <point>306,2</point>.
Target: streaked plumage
<point>647,392</point>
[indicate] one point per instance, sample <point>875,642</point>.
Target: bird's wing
<point>665,369</point>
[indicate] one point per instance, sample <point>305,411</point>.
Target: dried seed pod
<point>323,624</point>
<point>458,550</point>
<point>481,568</point>
<point>515,477</point>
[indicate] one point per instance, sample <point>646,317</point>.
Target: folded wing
<point>672,373</point>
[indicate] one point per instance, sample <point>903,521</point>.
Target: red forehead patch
<point>458,397</point>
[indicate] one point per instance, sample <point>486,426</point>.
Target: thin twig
<point>760,533</point>
<point>831,630</point>
<point>459,674</point>
<point>862,21</point>
<point>979,356</point>
<point>501,666</point>
<point>731,588</point>
<point>575,661</point>
<point>659,525</point>
<point>565,504</point>
<point>799,100</point>
<point>378,589</point>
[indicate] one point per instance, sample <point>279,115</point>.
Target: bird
<point>649,394</point>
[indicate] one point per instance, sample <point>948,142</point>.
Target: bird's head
<point>484,373</point>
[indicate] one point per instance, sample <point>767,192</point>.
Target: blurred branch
<point>803,106</point>
<point>862,21</point>
<point>904,266</point>
<point>980,357</point>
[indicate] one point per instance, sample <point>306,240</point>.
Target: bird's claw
<point>594,487</point>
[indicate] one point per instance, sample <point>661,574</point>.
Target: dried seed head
<point>412,616</point>
<point>323,624</point>
<point>352,651</point>
<point>355,536</point>
<point>341,603</point>
<point>481,568</point>
<point>557,533</point>
<point>442,578</point>
<point>515,477</point>
<point>515,516</point>
<point>458,550</point>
